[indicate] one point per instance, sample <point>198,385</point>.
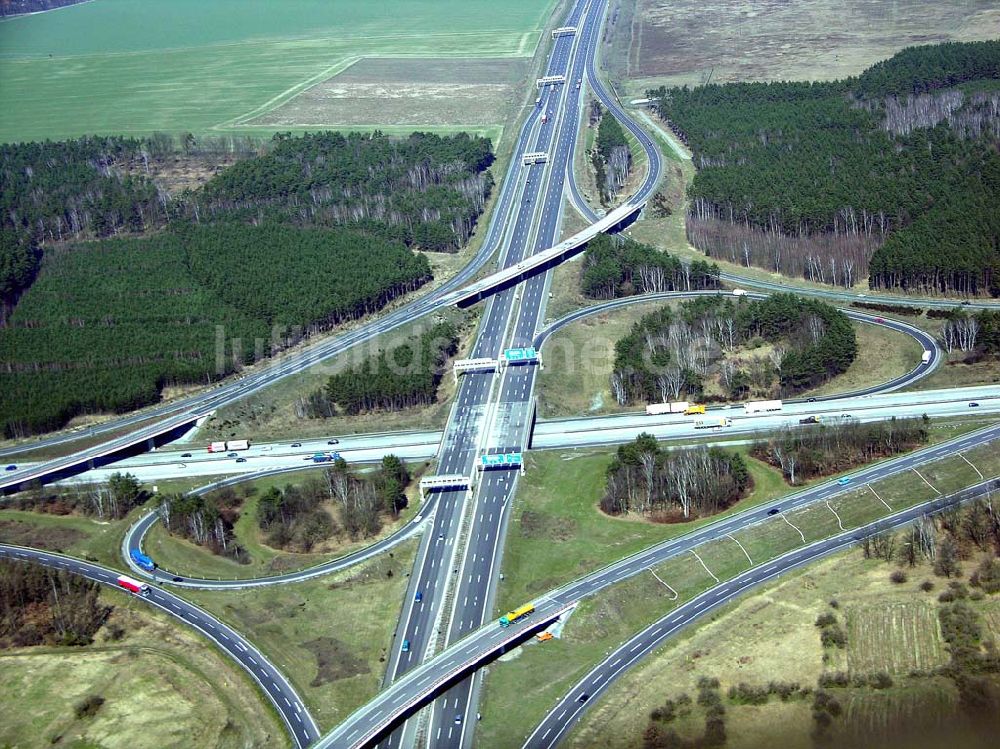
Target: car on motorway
<point>880,319</point>
<point>333,442</point>
<point>418,597</point>
<point>844,481</point>
<point>406,646</point>
<point>583,697</point>
<point>972,404</point>
<point>11,468</point>
<point>846,416</point>
<point>774,511</point>
<point>185,455</point>
<point>178,579</point>
<point>966,302</point>
<point>241,460</point>
<point>296,444</point>
<point>811,399</point>
<point>458,719</point>
<point>233,455</point>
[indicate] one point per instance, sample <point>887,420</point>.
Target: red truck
<point>133,586</point>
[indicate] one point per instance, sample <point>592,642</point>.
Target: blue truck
<point>142,560</point>
<point>325,457</point>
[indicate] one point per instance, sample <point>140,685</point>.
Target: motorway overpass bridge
<point>111,451</point>
<point>540,262</point>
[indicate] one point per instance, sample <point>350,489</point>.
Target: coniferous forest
<point>111,288</point>
<point>893,176</point>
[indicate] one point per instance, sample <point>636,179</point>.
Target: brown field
<point>682,41</point>
<point>435,92</point>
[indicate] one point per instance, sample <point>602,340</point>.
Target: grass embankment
<point>519,692</point>
<point>76,535</point>
<point>162,684</point>
<point>330,636</point>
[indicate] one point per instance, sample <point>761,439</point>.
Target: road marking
<point>653,573</point>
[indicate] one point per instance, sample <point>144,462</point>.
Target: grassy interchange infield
<point>131,67</point>
<point>523,685</point>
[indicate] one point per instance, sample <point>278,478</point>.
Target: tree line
<point>806,453</point>
<point>814,179</point>
<point>611,158</point>
<point>668,354</point>
<point>673,485</point>
<point>297,518</point>
<point>615,266</point>
<point>42,606</point>
<point>401,377</point>
<point>206,520</point>
<point>106,325</point>
<point>425,190</point>
<point>111,500</point>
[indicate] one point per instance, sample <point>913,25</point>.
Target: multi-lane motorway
<point>486,642</point>
<point>452,588</point>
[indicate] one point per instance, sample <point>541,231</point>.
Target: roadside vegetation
<point>196,307</point>
<point>310,519</point>
<point>778,346</point>
<point>525,684</point>
<point>331,635</point>
<point>80,664</point>
<point>615,266</point>
<point>865,214</point>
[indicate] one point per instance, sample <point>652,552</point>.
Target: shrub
<point>833,679</point>
<point>898,577</point>
<point>825,620</point>
<point>880,680</point>
<point>834,604</point>
<point>926,586</point>
<point>947,596</point>
<point>745,694</point>
<point>88,707</point>
<point>833,636</point>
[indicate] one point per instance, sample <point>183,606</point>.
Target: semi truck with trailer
<point>674,407</point>
<point>759,407</point>
<point>712,423</point>
<point>142,560</point>
<point>228,446</point>
<point>133,586</point>
<point>519,613</point>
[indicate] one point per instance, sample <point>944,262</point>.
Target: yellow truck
<point>519,613</point>
<point>694,409</point>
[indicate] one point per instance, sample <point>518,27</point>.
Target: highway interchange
<point>450,631</point>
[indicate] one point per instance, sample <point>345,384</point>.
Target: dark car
<point>973,404</point>
<point>333,442</point>
<point>774,511</point>
<point>10,468</point>
<point>406,646</point>
<point>296,444</point>
<point>418,597</point>
<point>178,579</point>
<point>241,460</point>
<point>811,400</point>
<point>583,697</point>
<point>232,455</point>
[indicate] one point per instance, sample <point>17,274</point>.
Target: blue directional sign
<point>520,355</point>
<point>501,460</point>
